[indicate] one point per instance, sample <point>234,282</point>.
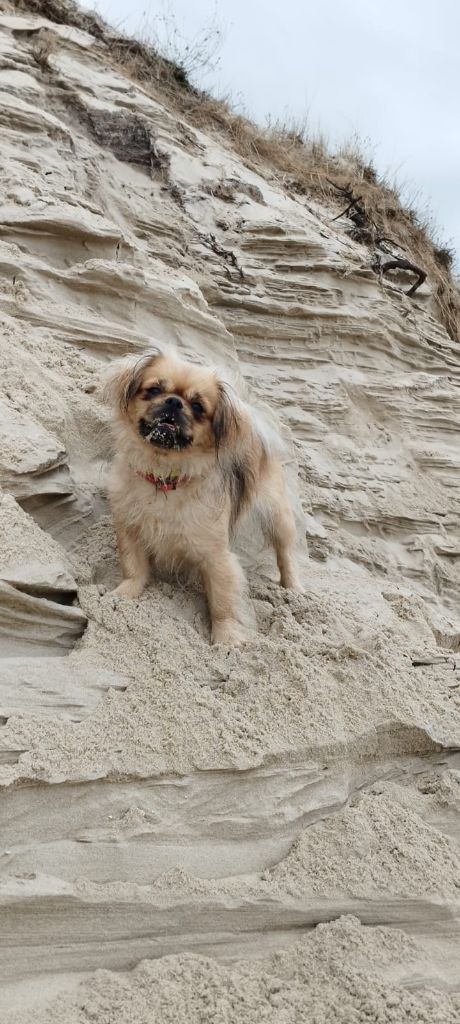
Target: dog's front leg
<point>224,582</point>
<point>134,563</point>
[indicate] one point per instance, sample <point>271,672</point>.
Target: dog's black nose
<point>174,402</point>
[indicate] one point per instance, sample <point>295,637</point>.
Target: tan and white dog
<point>191,458</point>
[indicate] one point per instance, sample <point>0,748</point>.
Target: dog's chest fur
<point>175,527</point>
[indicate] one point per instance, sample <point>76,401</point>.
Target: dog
<point>191,459</point>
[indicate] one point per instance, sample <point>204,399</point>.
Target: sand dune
<point>192,833</point>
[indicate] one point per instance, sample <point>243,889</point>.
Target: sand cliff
<point>190,833</point>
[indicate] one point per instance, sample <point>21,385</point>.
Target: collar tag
<point>164,484</point>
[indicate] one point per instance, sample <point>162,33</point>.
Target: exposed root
<point>226,254</point>
<point>366,230</point>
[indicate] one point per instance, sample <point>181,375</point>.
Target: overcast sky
<point>389,72</point>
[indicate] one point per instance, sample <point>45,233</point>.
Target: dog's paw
<point>129,589</point>
<point>297,588</point>
<point>228,632</point>
<point>293,584</point>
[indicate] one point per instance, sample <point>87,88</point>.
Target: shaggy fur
<point>182,425</point>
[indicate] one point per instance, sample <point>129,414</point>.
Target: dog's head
<point>172,405</point>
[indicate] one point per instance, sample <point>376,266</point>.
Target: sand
<point>193,833</point>
<point>338,974</point>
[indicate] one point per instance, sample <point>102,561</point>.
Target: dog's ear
<point>124,378</point>
<point>225,422</point>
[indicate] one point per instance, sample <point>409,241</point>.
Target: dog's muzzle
<point>167,429</point>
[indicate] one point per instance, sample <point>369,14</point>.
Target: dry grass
<point>302,164</point>
<point>44,46</point>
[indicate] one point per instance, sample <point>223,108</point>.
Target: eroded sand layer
<point>183,826</point>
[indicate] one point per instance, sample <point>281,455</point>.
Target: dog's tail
<point>256,443</point>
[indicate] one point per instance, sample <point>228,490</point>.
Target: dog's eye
<point>152,392</point>
<point>197,409</point>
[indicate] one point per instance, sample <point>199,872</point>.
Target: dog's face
<point>172,405</point>
<point>175,405</point>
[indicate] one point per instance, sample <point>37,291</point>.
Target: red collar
<point>165,484</point>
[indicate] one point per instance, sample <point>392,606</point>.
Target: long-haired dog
<point>191,458</point>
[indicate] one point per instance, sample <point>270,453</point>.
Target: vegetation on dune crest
<point>305,166</point>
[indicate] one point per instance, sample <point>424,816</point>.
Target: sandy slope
<point>160,798</point>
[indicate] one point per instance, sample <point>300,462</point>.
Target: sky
<point>388,73</point>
